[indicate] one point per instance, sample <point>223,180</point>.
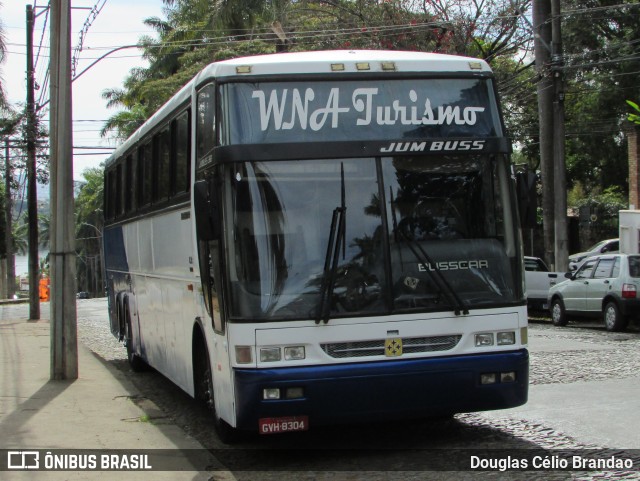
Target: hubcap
<point>610,316</point>
<point>556,312</point>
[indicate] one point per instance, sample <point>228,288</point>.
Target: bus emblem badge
<point>393,347</point>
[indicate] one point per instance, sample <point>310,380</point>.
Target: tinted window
<point>129,182</point>
<point>634,266</point>
<point>119,191</point>
<point>205,124</point>
<point>147,189</point>
<point>111,194</point>
<point>162,162</point>
<point>180,128</point>
<point>325,111</point>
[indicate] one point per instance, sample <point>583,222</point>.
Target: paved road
<point>584,395</point>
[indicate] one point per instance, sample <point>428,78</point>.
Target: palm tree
<point>20,236</point>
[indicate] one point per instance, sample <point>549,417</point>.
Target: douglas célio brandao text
<point>549,462</point>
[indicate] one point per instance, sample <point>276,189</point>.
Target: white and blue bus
<point>304,239</point>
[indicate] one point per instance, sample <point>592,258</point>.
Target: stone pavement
<point>93,412</point>
<point>585,388</point>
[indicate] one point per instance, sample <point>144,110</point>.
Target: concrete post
<point>62,257</point>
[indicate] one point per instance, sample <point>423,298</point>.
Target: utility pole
<point>8,240</point>
<point>32,200</point>
<point>560,170</point>
<point>542,51</point>
<point>64,343</point>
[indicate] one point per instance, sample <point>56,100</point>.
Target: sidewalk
<point>93,412</point>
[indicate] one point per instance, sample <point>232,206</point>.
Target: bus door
<point>209,254</point>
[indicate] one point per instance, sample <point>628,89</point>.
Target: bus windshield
<point>421,233</point>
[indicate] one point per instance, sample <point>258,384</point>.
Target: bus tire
<point>205,393</point>
<point>136,362</point>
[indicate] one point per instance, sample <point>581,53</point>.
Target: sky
<point>119,22</point>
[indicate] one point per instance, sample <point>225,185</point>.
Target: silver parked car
<point>609,246</point>
<point>604,285</point>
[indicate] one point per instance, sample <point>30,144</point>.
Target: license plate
<point>283,425</point>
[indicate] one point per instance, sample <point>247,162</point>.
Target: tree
<point>89,227</point>
<point>600,38</point>
<point>197,32</point>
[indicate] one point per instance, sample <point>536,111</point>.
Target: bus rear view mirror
<point>206,227</point>
<point>527,199</point>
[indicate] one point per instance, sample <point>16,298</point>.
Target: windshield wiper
<point>337,239</point>
<point>425,260</point>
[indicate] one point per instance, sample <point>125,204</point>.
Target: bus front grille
<point>410,345</point>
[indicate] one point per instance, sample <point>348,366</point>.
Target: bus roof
<point>322,62</point>
<point>309,63</point>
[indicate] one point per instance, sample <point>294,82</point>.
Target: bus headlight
<point>506,338</point>
<point>270,354</point>
<point>294,353</point>
<point>484,339</point>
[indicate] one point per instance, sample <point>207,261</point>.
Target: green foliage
<point>602,66</point>
<point>635,118</point>
<point>198,32</point>
<point>607,203</point>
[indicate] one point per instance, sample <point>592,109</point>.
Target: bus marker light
<point>244,355</point>
<point>294,353</point>
<point>337,67</point>
<point>243,69</point>
<point>294,393</point>
<point>363,66</point>
<point>506,338</point>
<point>484,339</point>
<point>488,378</point>
<point>271,393</point>
<point>509,376</point>
<point>270,354</point>
<point>388,66</point>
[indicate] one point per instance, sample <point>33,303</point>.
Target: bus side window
<point>111,195</point>
<point>119,191</point>
<point>205,124</point>
<point>181,154</point>
<point>148,173</point>
<point>162,164</point>
<point>139,184</point>
<point>129,183</point>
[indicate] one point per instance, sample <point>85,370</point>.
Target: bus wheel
<point>205,393</point>
<point>136,362</point>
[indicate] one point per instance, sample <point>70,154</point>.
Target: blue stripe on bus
<point>393,389</point>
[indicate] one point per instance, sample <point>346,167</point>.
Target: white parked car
<point>609,246</point>
<point>605,285</point>
<point>538,281</point>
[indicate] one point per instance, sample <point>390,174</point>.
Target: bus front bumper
<point>386,390</point>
